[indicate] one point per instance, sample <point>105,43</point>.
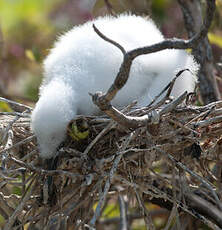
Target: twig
<point>15,114</point>
<point>202,52</point>
<point>196,176</point>
<point>103,132</point>
<point>13,103</point>
<point>169,107</point>
<point>172,215</point>
<point>26,140</point>
<point>205,207</point>
<point>103,100</point>
<point>168,88</point>
<point>29,155</point>
<point>108,182</point>
<point>210,121</point>
<point>20,207</point>
<point>7,128</point>
<point>7,210</point>
<point>146,214</point>
<point>123,213</point>
<point>195,207</point>
<point>45,172</point>
<point>136,122</point>
<point>109,40</point>
<point>8,146</point>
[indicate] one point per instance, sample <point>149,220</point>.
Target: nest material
<point>173,163</point>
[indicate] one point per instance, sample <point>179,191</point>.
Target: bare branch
<point>123,213</point>
<point>108,183</point>
<point>16,104</point>
<point>109,40</point>
<point>103,100</point>
<point>192,13</point>
<point>80,181</point>
<point>18,209</point>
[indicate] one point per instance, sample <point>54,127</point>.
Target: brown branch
<point>19,208</point>
<point>205,208</point>
<point>135,121</point>
<point>196,176</point>
<point>163,197</point>
<point>146,214</point>
<point>123,213</point>
<point>41,171</point>
<point>15,105</point>
<point>109,40</point>
<point>108,183</point>
<point>5,209</point>
<point>103,100</point>
<point>28,139</point>
<point>193,202</point>
<point>192,14</point>
<point>140,157</point>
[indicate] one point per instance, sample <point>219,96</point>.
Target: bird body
<point>81,63</point>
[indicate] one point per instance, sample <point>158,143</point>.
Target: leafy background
<point>29,27</point>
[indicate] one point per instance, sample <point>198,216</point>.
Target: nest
<point>173,163</point>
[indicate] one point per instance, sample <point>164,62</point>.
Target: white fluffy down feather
<point>82,62</point>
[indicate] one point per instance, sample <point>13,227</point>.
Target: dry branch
<point>193,18</point>
<point>114,161</point>
<point>103,100</point>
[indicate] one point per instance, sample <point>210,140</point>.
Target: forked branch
<point>103,100</point>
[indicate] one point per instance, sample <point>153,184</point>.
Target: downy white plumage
<point>82,62</point>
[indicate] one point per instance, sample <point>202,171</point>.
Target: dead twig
<point>108,182</point>
<point>103,101</point>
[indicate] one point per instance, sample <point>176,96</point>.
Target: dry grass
<point>175,164</point>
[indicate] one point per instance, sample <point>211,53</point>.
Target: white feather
<point>82,62</point>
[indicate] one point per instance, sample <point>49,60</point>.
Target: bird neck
<point>55,108</point>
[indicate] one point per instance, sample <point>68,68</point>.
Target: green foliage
<point>31,88</point>
<point>159,7</point>
<point>14,12</point>
<point>215,39</point>
<point>4,107</point>
<point>111,210</point>
<point>27,32</point>
<point>2,221</point>
<point>16,190</point>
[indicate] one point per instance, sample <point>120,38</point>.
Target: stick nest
<point>169,163</point>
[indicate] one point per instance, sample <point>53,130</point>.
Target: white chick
<point>82,62</point>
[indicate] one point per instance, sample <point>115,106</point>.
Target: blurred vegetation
<point>29,27</point>
<point>27,33</point>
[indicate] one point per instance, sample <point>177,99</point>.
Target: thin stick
<point>108,182</point>
<point>10,102</point>
<point>123,213</point>
<point>109,40</point>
